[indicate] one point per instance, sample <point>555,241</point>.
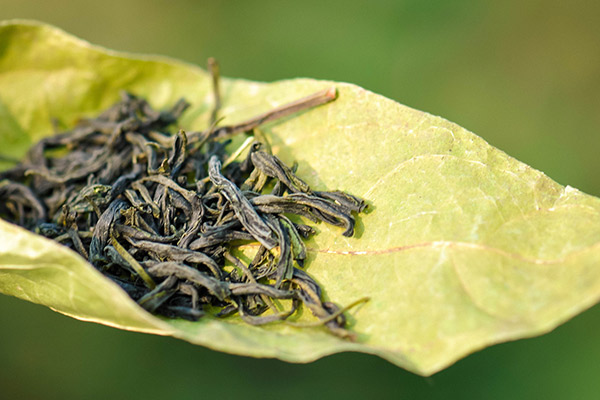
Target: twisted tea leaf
<point>241,206</point>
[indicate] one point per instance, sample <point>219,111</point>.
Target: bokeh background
<point>524,75</point>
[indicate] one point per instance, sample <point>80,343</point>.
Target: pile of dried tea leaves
<point>160,213</point>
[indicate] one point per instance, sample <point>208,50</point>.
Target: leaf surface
<point>462,246</point>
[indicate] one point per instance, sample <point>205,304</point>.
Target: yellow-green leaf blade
<point>462,246</point>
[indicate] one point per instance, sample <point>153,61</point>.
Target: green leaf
<point>462,247</point>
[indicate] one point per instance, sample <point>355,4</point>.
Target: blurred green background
<point>524,75</point>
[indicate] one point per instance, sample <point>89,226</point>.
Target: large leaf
<point>463,246</point>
